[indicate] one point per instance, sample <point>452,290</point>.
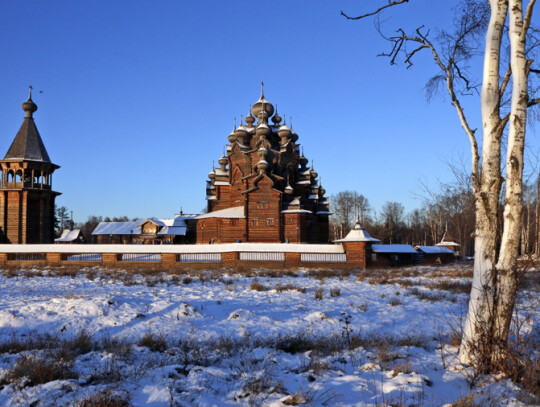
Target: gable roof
<point>118,228</point>
<point>234,212</point>
<point>394,248</point>
<point>435,250</point>
<point>69,235</point>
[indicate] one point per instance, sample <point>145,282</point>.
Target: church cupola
<point>276,119</point>
<point>250,119</point>
<point>262,105</point>
<point>223,161</point>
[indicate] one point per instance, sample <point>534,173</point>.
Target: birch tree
<point>494,284</point>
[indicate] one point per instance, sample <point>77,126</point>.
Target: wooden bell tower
<point>26,195</point>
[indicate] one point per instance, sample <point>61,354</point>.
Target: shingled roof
<point>28,144</point>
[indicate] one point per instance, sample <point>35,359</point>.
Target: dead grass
<point>335,292</point>
<point>105,398</point>
<point>156,342</point>
<point>32,369</point>
<point>289,287</point>
<point>319,294</point>
<point>257,286</point>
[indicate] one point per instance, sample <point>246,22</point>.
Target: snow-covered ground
<point>225,339</point>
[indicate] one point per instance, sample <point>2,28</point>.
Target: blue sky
<point>139,96</point>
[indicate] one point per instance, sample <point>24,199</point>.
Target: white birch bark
<point>481,303</point>
<point>507,263</point>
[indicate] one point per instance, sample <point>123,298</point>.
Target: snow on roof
<point>394,248</point>
<point>313,196</point>
<point>219,171</point>
<point>221,183</point>
<point>211,197</point>
<point>296,211</point>
<point>173,230</point>
<point>434,250</point>
<point>234,212</point>
<point>184,216</point>
<point>68,235</point>
<point>306,182</point>
<point>172,248</point>
<point>118,228</point>
<point>358,234</point>
<point>447,244</point>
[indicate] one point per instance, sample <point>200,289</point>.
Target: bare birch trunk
<point>481,303</point>
<point>507,264</point>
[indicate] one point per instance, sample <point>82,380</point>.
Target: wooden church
<point>26,195</point>
<point>263,189</point>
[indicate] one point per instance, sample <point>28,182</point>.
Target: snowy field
<point>98,337</point>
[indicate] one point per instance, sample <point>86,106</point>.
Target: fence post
<point>356,254</point>
<point>109,259</point>
<point>53,259</point>
<point>168,260</point>
<point>292,259</point>
<point>229,259</point>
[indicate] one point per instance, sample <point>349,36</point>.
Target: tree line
<point>450,208</point>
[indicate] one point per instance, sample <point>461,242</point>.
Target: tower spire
<point>262,89</point>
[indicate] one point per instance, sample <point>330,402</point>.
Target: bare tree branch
<point>390,4</point>
<point>533,102</point>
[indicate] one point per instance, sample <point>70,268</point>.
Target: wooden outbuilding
<point>70,237</point>
<point>393,255</point>
<point>432,255</point>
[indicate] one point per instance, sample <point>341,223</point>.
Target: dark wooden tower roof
<point>28,144</point>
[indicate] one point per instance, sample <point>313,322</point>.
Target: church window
<point>270,222</point>
<point>254,222</point>
<point>233,222</point>
<point>262,205</point>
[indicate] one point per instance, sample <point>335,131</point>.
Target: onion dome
<point>289,190</point>
<point>223,161</point>
<point>284,131</point>
<point>314,173</point>
<point>241,134</point>
<point>232,137</point>
<point>294,136</point>
<point>212,174</point>
<point>262,105</point>
<point>263,129</point>
<point>250,119</point>
<point>321,189</point>
<point>29,107</point>
<point>303,160</point>
<point>262,152</point>
<point>263,166</point>
<point>276,119</point>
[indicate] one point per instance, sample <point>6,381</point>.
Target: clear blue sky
<point>139,96</point>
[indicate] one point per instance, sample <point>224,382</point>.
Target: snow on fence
<point>324,257</point>
<point>198,257</point>
<point>82,257</point>
<point>140,257</point>
<point>27,256</point>
<point>167,256</point>
<point>262,256</point>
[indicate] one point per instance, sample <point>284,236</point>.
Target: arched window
<point>18,176</point>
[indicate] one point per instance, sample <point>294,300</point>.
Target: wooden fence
<point>178,256</point>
